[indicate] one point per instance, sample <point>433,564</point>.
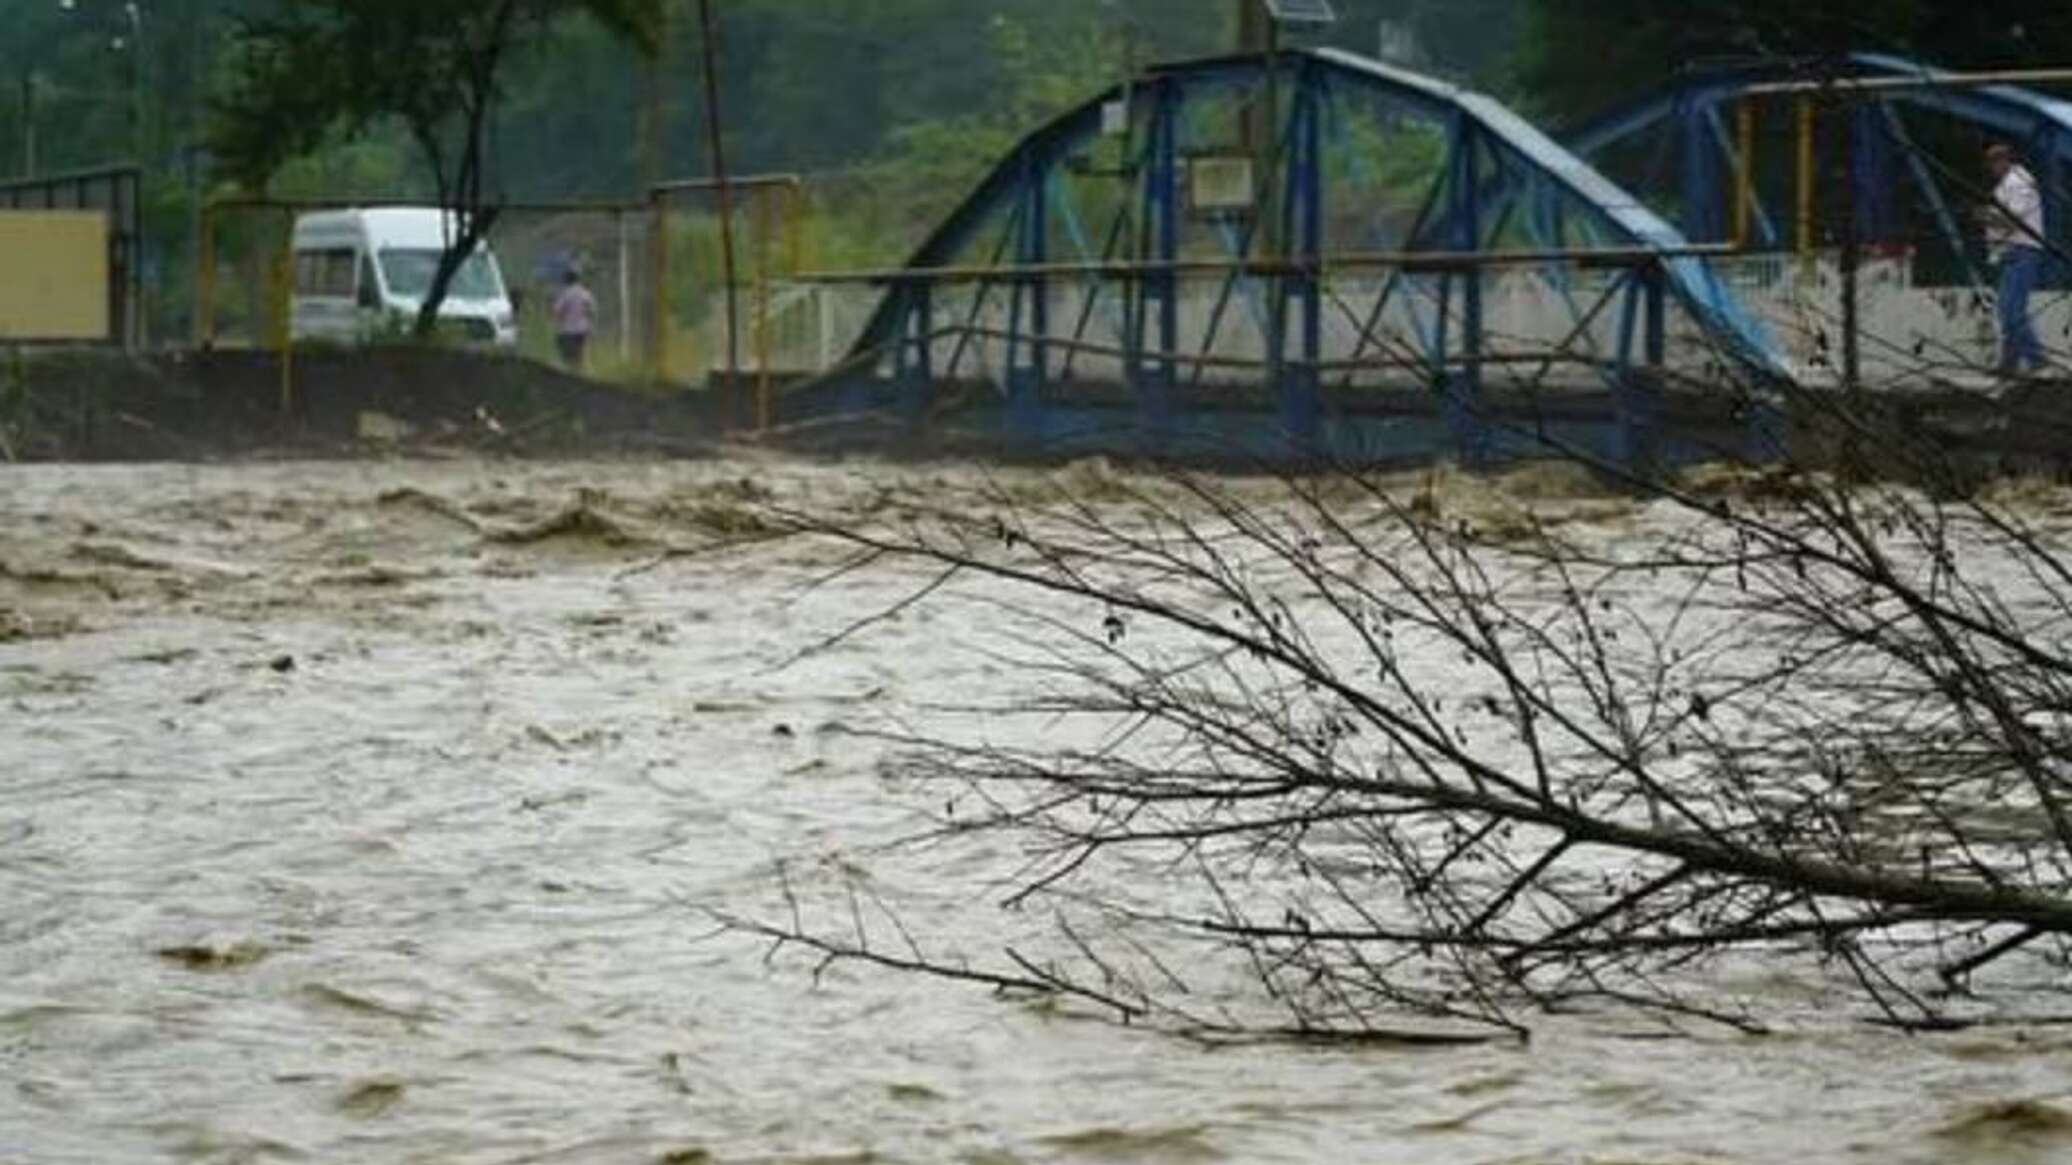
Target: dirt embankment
<point>101,406</point>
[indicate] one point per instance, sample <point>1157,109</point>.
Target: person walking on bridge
<point>2014,237</point>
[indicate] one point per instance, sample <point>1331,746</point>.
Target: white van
<point>360,272</point>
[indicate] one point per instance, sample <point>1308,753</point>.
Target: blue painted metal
<point>1098,291</point>
<point>1931,191</point>
<point>1396,279</point>
<point>1036,250</point>
<point>2039,123</point>
<point>1622,218</point>
<point>1496,178</point>
<point>1463,384</point>
<point>1302,215</point>
<point>2049,160</point>
<point>1264,297</point>
<point>1237,244</point>
<point>2057,203</point>
<point>1636,391</point>
<point>1704,179</point>
<point>1873,168</point>
<point>2006,109</point>
<point>914,374</point>
<point>1153,370</point>
<point>1010,232</point>
<point>1028,352</point>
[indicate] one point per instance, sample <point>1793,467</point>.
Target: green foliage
<point>930,165</point>
<point>1578,56</point>
<point>315,71</point>
<point>892,108</point>
<point>318,69</point>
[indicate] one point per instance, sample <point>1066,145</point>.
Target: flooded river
<point>373,813</point>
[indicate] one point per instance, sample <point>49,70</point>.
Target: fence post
<point>761,225</point>
<point>14,406</point>
<point>205,282</point>
<point>283,312</point>
<point>658,286</point>
<point>625,288</point>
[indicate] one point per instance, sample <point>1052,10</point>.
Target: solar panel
<point>1301,12</point>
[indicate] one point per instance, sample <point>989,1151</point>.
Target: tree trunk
<point>475,224</point>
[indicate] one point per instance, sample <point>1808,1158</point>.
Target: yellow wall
<point>53,275</point>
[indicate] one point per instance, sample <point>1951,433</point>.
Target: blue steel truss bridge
<point>1308,253</point>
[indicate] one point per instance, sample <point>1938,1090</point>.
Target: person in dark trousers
<point>2014,237</point>
<point>575,317</point>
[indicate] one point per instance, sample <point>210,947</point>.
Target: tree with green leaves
<point>1579,56</point>
<point>315,71</point>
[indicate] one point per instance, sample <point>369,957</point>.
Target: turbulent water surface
<point>372,812</point>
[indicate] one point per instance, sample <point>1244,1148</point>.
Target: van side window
<point>325,273</point>
<point>338,273</point>
<point>370,287</point>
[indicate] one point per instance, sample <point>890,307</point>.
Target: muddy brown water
<point>367,812</point>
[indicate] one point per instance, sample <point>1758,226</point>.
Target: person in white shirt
<point>575,316</point>
<point>2014,237</point>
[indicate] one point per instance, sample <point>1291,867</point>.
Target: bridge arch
<point>1874,164</point>
<point>1704,158</point>
<point>1312,222</point>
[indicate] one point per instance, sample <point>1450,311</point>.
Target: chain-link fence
<point>662,310</point>
<point>355,275</point>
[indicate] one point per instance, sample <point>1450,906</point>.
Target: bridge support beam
<point>1496,179</point>
<point>1155,298</point>
<point>1460,381</point>
<point>1300,292</point>
<point>2045,152</point>
<point>1028,352</point>
<point>1873,171</point>
<point>1637,390</point>
<point>913,373</point>
<point>1704,180</point>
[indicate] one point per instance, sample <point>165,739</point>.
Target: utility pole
<point>1840,112</point>
<point>134,44</point>
<point>139,321</point>
<point>1258,34</point>
<point>1254,35</point>
<point>29,125</point>
<point>1253,28</point>
<point>653,127</point>
<point>717,141</point>
<point>197,102</point>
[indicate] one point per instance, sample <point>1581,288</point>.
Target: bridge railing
<point>1378,317</point>
<point>1301,342</point>
<point>1910,334</point>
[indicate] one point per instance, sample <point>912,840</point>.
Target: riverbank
<point>98,406</point>
<point>330,403</point>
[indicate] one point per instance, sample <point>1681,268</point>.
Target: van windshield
<point>409,275</point>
